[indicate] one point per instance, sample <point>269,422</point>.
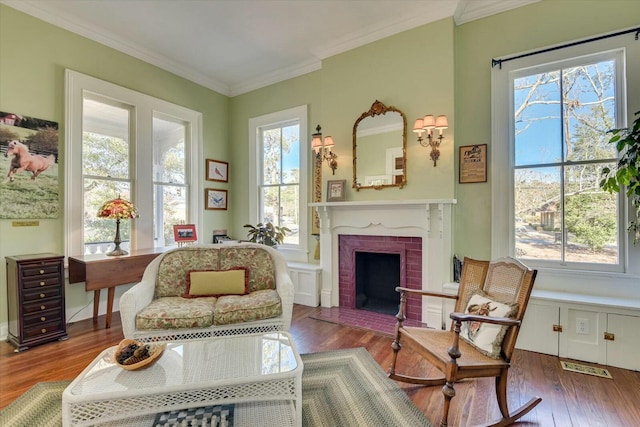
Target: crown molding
<point>470,10</point>
<point>465,11</point>
<point>276,77</point>
<point>372,34</point>
<point>49,14</point>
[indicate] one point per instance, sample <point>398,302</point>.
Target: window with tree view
<point>280,178</point>
<point>119,142</point>
<point>562,114</point>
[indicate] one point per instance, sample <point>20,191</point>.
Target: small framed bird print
<point>215,199</point>
<point>217,170</point>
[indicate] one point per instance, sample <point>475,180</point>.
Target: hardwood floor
<point>568,399</point>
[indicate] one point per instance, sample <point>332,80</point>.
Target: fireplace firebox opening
<point>377,275</point>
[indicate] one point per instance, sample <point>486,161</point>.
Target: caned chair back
<point>505,280</point>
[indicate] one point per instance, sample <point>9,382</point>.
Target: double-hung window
<point>551,119</point>
<point>278,169</point>
<point>122,143</point>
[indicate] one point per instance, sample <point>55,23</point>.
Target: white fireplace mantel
<point>429,219</point>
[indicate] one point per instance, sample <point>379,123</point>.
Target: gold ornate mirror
<point>380,148</point>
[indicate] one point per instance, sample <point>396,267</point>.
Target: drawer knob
<point>42,319</point>
<point>43,330</point>
<point>42,307</point>
<point>41,283</point>
<point>42,295</point>
<point>41,271</point>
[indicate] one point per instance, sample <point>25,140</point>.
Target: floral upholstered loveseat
<point>161,306</point>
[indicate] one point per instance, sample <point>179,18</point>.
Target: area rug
<point>585,369</point>
<point>339,388</point>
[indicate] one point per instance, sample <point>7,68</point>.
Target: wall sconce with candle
<point>428,124</point>
<point>322,148</point>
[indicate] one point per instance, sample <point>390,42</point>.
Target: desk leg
<point>110,293</point>
<point>96,304</point>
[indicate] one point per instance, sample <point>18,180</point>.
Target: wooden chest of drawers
<point>35,291</point>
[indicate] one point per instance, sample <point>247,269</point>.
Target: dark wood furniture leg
<point>96,304</point>
<point>110,293</point>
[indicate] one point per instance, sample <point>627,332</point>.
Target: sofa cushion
<point>174,266</point>
<point>176,312</point>
<point>257,260</point>
<point>246,308</point>
<point>215,283</point>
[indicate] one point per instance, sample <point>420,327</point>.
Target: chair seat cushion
<point>257,305</point>
<point>176,312</point>
<point>486,337</point>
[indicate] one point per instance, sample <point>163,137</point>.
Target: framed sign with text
<point>473,164</point>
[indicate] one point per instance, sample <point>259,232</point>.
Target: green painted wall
<point>412,71</point>
<point>426,70</point>
<point>33,58</point>
<point>303,90</point>
<point>549,22</point>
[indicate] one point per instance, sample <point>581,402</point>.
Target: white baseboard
<point>4,331</point>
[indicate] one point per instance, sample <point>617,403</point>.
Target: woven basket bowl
<point>155,350</point>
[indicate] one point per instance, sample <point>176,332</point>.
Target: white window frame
<point>291,252</point>
<point>144,107</point>
<point>560,278</point>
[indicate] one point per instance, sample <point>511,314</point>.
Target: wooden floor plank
<point>569,399</point>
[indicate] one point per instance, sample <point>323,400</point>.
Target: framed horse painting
<point>31,187</point>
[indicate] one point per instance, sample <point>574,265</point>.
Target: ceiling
<point>235,46</point>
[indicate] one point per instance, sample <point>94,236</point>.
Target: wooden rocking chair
<point>505,280</point>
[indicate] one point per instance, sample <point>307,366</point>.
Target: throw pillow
<point>486,337</point>
<point>215,283</point>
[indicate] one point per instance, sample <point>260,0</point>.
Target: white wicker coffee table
<point>260,374</point>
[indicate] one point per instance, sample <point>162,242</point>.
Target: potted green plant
<point>627,173</point>
<point>267,234</point>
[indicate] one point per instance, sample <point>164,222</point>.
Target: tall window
<point>562,113</point>
<point>123,143</point>
<point>552,133</point>
<point>280,183</point>
<point>278,167</point>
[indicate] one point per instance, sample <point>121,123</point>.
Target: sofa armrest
<point>138,297</point>
<point>284,285</point>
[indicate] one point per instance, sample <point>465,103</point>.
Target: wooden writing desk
<point>101,271</point>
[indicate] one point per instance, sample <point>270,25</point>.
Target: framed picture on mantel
<point>336,190</point>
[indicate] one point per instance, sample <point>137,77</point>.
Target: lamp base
<point>117,252</point>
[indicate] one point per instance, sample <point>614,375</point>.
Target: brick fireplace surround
<point>410,251</point>
<point>421,229</point>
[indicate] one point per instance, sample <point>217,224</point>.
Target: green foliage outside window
<point>627,173</point>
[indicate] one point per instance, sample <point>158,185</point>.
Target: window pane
<point>271,156</point>
<point>270,202</point>
<point>105,140</point>
<point>590,217</point>
<point>168,151</point>
<point>538,213</point>
<point>170,207</point>
<point>289,195</point>
<point>589,111</point>
<point>537,119</point>
<point>100,230</point>
<point>291,154</point>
